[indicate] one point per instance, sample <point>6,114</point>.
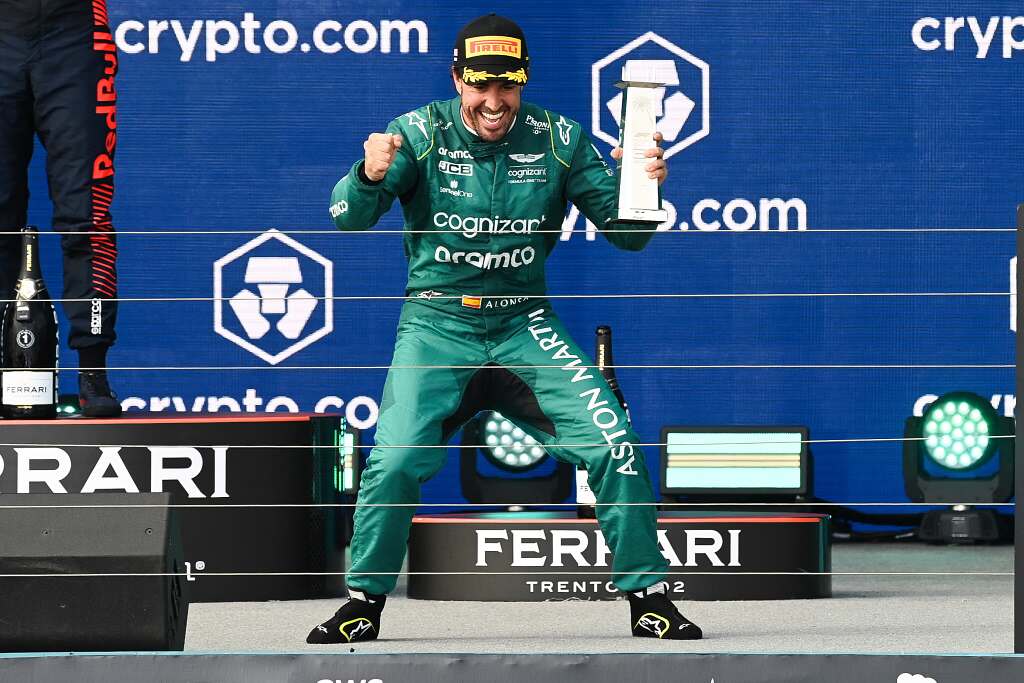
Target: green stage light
<point>957,431</point>
<point>68,406</point>
<point>524,479</point>
<point>347,465</point>
<point>944,452</point>
<point>508,446</point>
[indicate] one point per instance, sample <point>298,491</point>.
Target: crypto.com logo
<point>273,313</point>
<point>688,78</point>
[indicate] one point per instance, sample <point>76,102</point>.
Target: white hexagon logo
<point>279,296</point>
<point>688,90</point>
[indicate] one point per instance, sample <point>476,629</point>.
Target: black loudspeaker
<point>51,613</point>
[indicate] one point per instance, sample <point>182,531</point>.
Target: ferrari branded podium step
<point>538,556</point>
<point>210,464</point>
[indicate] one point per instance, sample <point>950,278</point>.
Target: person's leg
<point>16,136</point>
<point>584,411</point>
<point>420,410</point>
<point>587,417</point>
<point>75,112</point>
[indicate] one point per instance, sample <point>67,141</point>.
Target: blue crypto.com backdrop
<point>791,124</point>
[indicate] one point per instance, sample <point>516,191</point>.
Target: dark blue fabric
<point>50,82</point>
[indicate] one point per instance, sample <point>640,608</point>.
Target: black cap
<point>492,48</point>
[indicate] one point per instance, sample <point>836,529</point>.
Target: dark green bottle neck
<point>605,364</point>
<point>30,275</point>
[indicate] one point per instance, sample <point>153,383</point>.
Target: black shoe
<point>357,620</point>
<point>653,615</point>
<point>95,396</point>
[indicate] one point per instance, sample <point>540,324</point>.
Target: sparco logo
<point>606,419</point>
<point>25,339</point>
<point>96,316</point>
<point>339,208</point>
<point>687,90</point>
<point>454,153</point>
<point>580,548</point>
<point>486,260</point>
<point>290,280</point>
<point>48,466</point>
<point>471,226</point>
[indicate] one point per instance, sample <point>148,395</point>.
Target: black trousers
<point>57,82</point>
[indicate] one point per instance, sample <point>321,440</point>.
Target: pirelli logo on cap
<point>471,301</point>
<point>490,46</point>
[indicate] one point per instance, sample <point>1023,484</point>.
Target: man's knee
<point>399,469</point>
<point>612,455</point>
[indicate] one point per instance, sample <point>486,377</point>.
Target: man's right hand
<point>380,149</point>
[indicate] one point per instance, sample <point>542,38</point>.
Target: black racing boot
<point>357,620</point>
<point>653,615</point>
<point>95,396</point>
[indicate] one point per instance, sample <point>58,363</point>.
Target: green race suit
<point>481,218</point>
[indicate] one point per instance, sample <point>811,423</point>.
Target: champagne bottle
<point>585,499</point>
<point>606,366</point>
<point>28,341</point>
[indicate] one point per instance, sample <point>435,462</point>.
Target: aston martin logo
<point>526,158</point>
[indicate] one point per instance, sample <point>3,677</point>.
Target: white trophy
<point>643,84</point>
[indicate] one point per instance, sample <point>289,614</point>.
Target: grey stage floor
<point>868,614</point>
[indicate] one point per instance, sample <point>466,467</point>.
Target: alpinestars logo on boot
<point>355,629</point>
<point>656,624</point>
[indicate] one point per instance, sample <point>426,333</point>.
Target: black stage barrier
<point>207,463</point>
<point>58,611</point>
<point>527,556</point>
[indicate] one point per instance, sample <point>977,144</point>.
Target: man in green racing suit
<point>483,180</point>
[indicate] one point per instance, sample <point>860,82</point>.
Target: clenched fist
<point>380,150</point>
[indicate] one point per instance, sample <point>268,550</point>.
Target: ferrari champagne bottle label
<point>23,388</point>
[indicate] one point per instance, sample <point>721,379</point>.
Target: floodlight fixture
<point>521,468</point>
<point>960,452</point>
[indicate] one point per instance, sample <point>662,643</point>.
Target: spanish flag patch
<point>471,301</point>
